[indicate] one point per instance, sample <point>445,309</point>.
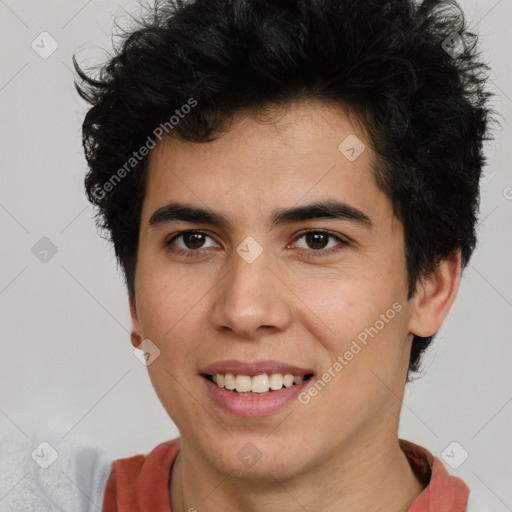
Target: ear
<point>135,335</point>
<point>434,297</point>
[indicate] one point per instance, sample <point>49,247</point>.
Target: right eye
<point>192,243</point>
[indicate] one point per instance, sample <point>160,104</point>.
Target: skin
<point>339,452</point>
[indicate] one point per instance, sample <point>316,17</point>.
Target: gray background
<point>67,365</point>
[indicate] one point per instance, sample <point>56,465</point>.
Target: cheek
<point>345,304</point>
<point>164,298</point>
<point>360,319</point>
<point>171,315</point>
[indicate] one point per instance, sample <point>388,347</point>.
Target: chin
<point>257,458</point>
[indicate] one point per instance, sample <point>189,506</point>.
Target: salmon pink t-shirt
<point>141,483</point>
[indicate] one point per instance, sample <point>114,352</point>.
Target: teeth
<point>229,381</point>
<point>243,383</point>
<point>246,384</point>
<point>260,383</point>
<point>288,380</point>
<point>276,381</point>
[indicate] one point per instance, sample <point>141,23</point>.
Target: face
<point>318,292</point>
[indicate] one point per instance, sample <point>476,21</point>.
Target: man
<point>291,189</point>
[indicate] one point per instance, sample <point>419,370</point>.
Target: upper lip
<point>237,367</point>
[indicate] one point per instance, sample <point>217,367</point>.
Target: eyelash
<point>312,253</point>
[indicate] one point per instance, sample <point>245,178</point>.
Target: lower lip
<point>252,406</point>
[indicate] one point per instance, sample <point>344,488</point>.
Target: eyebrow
<point>328,209</point>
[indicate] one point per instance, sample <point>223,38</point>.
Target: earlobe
<point>435,296</point>
<point>135,335</point>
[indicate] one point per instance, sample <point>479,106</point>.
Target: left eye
<point>317,239</point>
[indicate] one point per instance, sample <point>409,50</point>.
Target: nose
<point>251,299</point>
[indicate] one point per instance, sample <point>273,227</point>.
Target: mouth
<point>256,385</point>
<point>252,389</point>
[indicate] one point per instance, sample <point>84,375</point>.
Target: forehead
<point>305,152</point>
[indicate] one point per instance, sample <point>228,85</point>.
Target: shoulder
<point>42,473</point>
<point>135,466</point>
<point>142,479</point>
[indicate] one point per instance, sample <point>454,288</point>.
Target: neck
<point>361,476</point>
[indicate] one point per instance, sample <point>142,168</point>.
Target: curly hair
<point>412,71</point>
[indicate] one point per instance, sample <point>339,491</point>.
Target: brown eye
<point>317,241</point>
<point>189,242</point>
<point>193,240</point>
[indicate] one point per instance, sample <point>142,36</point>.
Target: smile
<point>246,385</point>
